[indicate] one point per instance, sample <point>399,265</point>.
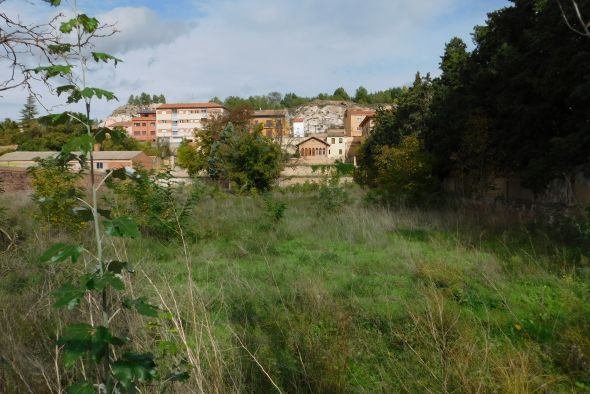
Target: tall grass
<point>361,299</point>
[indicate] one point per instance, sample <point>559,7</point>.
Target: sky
<point>193,50</point>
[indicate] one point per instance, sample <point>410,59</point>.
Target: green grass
<point>360,300</point>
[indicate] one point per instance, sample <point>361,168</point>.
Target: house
<point>353,119</point>
<point>367,125</point>
<point>103,160</point>
<point>144,126</point>
<point>298,128</point>
<point>122,125</point>
<point>339,144</point>
<point>178,122</point>
<point>274,122</point>
<point>314,151</point>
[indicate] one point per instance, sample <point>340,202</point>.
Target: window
<point>333,140</point>
<point>136,124</point>
<point>99,166</point>
<point>144,124</point>
<point>339,140</point>
<point>152,123</point>
<point>339,151</point>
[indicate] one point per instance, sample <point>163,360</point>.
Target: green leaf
<point>83,143</point>
<point>118,266</point>
<point>84,213</point>
<point>68,295</point>
<point>59,49</point>
<point>142,307</point>
<point>60,252</point>
<point>122,227</point>
<point>64,88</point>
<point>76,341</point>
<point>105,57</point>
<point>81,388</point>
<point>105,213</point>
<point>89,25</point>
<point>177,376</point>
<point>54,71</point>
<point>54,3</point>
<point>80,339</point>
<point>134,367</point>
<point>98,93</point>
<point>100,282</point>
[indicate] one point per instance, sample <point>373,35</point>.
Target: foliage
<point>408,118</point>
<point>146,99</point>
<point>188,157</point>
<point>246,159</point>
<point>154,202</point>
<point>404,171</point>
<point>29,111</point>
<point>517,103</point>
<point>56,192</point>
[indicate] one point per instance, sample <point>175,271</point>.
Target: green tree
<point>29,111</point>
<point>162,99</point>
<point>362,96</point>
<point>188,157</point>
<point>340,94</point>
<point>131,100</point>
<point>246,159</point>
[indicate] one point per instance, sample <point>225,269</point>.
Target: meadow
<point>256,297</point>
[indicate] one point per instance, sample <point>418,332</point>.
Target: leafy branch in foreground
<point>118,368</point>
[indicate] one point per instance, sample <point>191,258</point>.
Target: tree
<point>362,96</point>
<point>340,94</point>
<point>246,159</point>
<point>29,111</point>
<point>155,99</point>
<point>188,157</point>
<point>574,19</point>
<point>131,100</point>
<point>275,99</point>
<point>216,100</point>
<point>162,99</point>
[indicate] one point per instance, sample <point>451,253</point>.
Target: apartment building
<point>178,122</point>
<point>353,119</point>
<point>143,126</point>
<point>274,122</point>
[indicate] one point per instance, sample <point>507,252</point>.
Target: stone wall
<point>319,116</point>
<point>14,180</point>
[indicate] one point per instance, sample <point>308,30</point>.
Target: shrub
<point>56,192</point>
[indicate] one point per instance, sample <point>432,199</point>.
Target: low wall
<point>14,180</point>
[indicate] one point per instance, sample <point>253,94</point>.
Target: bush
<point>56,192</point>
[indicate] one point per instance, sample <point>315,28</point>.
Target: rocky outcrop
<point>124,114</point>
<point>319,116</point>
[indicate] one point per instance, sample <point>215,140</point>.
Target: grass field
<point>360,300</point>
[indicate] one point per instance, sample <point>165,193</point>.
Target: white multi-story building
<point>178,122</point>
<point>298,127</point>
<point>339,144</point>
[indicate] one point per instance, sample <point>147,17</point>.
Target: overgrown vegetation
<point>362,299</point>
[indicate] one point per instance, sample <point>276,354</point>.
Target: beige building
<point>274,122</point>
<point>367,125</point>
<point>178,122</point>
<point>353,119</point>
<point>103,160</point>
<point>314,151</point>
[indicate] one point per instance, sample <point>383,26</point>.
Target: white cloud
<point>138,28</point>
<point>243,47</point>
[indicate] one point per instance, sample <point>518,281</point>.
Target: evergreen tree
<point>155,99</point>
<point>362,96</point>
<point>29,111</point>
<point>162,99</point>
<point>131,100</point>
<point>340,94</point>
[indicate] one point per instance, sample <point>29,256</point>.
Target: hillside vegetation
<point>255,298</point>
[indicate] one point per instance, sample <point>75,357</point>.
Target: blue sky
<point>192,50</point>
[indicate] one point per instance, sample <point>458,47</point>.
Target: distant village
<point>318,133</point>
<point>312,139</point>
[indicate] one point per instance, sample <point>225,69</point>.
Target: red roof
<point>298,120</point>
<point>190,105</point>
<point>313,138</point>
<point>361,111</point>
